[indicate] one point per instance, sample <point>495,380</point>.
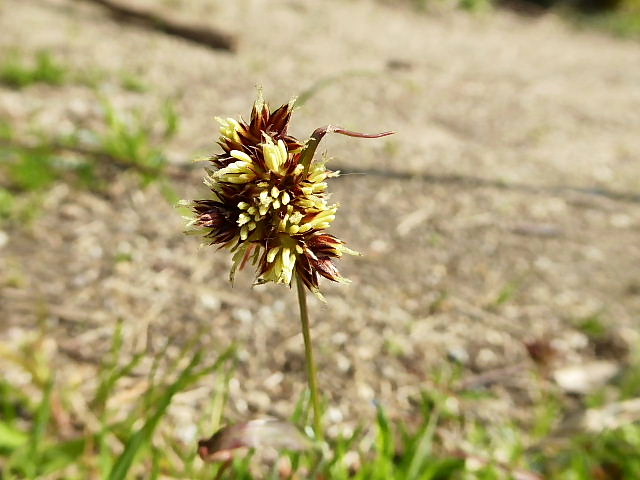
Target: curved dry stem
<point>316,136</point>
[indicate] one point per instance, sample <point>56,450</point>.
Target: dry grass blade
<point>262,433</point>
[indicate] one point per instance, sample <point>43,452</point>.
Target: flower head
<point>269,203</point>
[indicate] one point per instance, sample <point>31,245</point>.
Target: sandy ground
<point>514,169</point>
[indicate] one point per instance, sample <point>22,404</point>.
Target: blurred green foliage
<point>130,141</point>
<point>620,17</point>
<point>18,72</point>
<point>144,441</point>
<point>31,445</point>
<point>625,24</point>
<point>85,159</point>
<point>133,83</point>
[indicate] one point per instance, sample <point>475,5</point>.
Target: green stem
<point>312,376</point>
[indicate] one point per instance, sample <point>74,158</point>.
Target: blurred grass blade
<point>61,455</point>
<point>220,399</point>
<point>113,373</point>
<point>142,437</point>
<point>300,417</point>
<point>300,414</point>
<point>10,437</point>
<point>328,81</point>
<point>422,451</point>
<point>156,454</point>
<point>171,119</point>
<point>385,440</point>
<point>105,455</point>
<point>43,414</point>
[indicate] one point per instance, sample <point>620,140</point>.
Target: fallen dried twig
<point>200,34</point>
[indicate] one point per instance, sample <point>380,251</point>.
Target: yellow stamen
<point>240,155</point>
<point>275,156</point>
<point>295,218</point>
<point>272,254</point>
<point>243,218</point>
<point>229,128</point>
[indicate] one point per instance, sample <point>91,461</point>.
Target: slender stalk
<point>318,133</point>
<point>312,376</point>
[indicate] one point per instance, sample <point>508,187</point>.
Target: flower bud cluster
<point>269,202</point>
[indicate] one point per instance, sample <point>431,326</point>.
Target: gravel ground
<point>506,208</point>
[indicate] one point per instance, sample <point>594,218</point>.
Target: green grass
<point>593,326</point>
<point>86,160</point>
<point>505,295</point>
<point>426,5</point>
<point>31,448</point>
<point>133,83</point>
<point>129,140</point>
<point>141,442</point>
<point>30,444</point>
<point>17,72</point>
<point>625,24</point>
<point>622,20</point>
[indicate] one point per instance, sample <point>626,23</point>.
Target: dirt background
<point>506,209</point>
